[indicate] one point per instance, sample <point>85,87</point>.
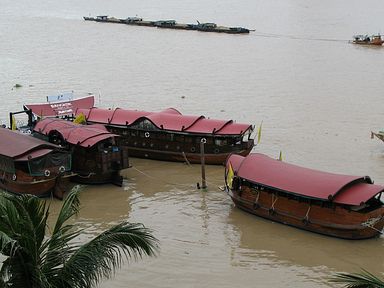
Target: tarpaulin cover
<point>169,119</point>
<point>343,189</point>
<point>61,108</point>
<point>16,145</point>
<point>83,135</point>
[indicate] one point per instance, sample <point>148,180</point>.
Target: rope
<point>171,183</point>
<point>306,215</point>
<point>371,222</point>
<point>271,35</point>
<point>274,201</point>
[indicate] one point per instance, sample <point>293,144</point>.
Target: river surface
<point>317,95</point>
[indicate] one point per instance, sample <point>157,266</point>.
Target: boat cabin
<point>96,156</point>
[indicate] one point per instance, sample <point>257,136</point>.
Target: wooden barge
<point>32,166</point>
<point>170,24</point>
<point>170,136</point>
<point>96,158</point>
<point>336,205</point>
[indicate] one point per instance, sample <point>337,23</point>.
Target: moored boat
<point>375,40</point>
<point>170,136</point>
<point>332,204</point>
<point>96,156</point>
<point>32,166</point>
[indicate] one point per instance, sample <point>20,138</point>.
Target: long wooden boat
<point>32,166</point>
<point>170,136</point>
<point>336,205</point>
<point>96,157</point>
<point>169,24</point>
<point>374,40</point>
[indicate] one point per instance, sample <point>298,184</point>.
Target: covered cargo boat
<point>332,204</point>
<point>32,166</point>
<point>96,156</point>
<point>170,136</point>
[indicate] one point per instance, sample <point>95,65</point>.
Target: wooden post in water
<point>202,157</point>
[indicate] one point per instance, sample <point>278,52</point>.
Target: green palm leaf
<point>100,257</point>
<point>358,280</point>
<point>35,260</point>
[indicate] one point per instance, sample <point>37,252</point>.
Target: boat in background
<point>31,166</point>
<point>170,136</point>
<point>378,135</point>
<point>375,40</point>
<point>96,158</point>
<point>170,24</point>
<point>336,205</point>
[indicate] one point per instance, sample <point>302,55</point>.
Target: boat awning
<point>305,182</point>
<point>169,119</point>
<point>83,135</point>
<point>33,154</point>
<point>61,108</point>
<point>19,146</point>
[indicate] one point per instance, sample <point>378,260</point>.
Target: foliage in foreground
<point>359,280</point>
<point>34,259</point>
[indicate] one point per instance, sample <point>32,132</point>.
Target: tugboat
<point>375,40</point>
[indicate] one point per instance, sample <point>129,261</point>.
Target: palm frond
<point>70,208</point>
<point>56,250</point>
<point>100,257</point>
<point>363,279</point>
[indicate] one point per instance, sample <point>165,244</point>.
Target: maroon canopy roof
<point>169,119</point>
<point>61,108</point>
<point>83,135</point>
<point>344,189</point>
<point>19,146</point>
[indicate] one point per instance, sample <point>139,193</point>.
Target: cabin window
<point>220,142</point>
<point>7,165</point>
<point>179,138</point>
<point>188,139</point>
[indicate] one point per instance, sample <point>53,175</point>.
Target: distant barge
<point>170,24</point>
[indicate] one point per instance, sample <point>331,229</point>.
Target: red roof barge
<point>96,157</point>
<point>32,166</point>
<point>170,136</point>
<point>336,205</point>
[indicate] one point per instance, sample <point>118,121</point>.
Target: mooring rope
<point>170,183</point>
<point>372,221</point>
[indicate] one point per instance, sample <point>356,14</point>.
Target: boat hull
<point>193,158</point>
<point>55,186</point>
<point>332,220</point>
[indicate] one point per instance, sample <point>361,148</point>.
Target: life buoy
<point>62,169</point>
<point>193,149</point>
<point>216,151</point>
<point>146,134</point>
<point>203,140</point>
<point>14,177</point>
<point>47,173</point>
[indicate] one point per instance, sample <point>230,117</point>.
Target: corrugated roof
<point>20,146</point>
<point>169,119</point>
<point>343,189</point>
<point>83,135</point>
